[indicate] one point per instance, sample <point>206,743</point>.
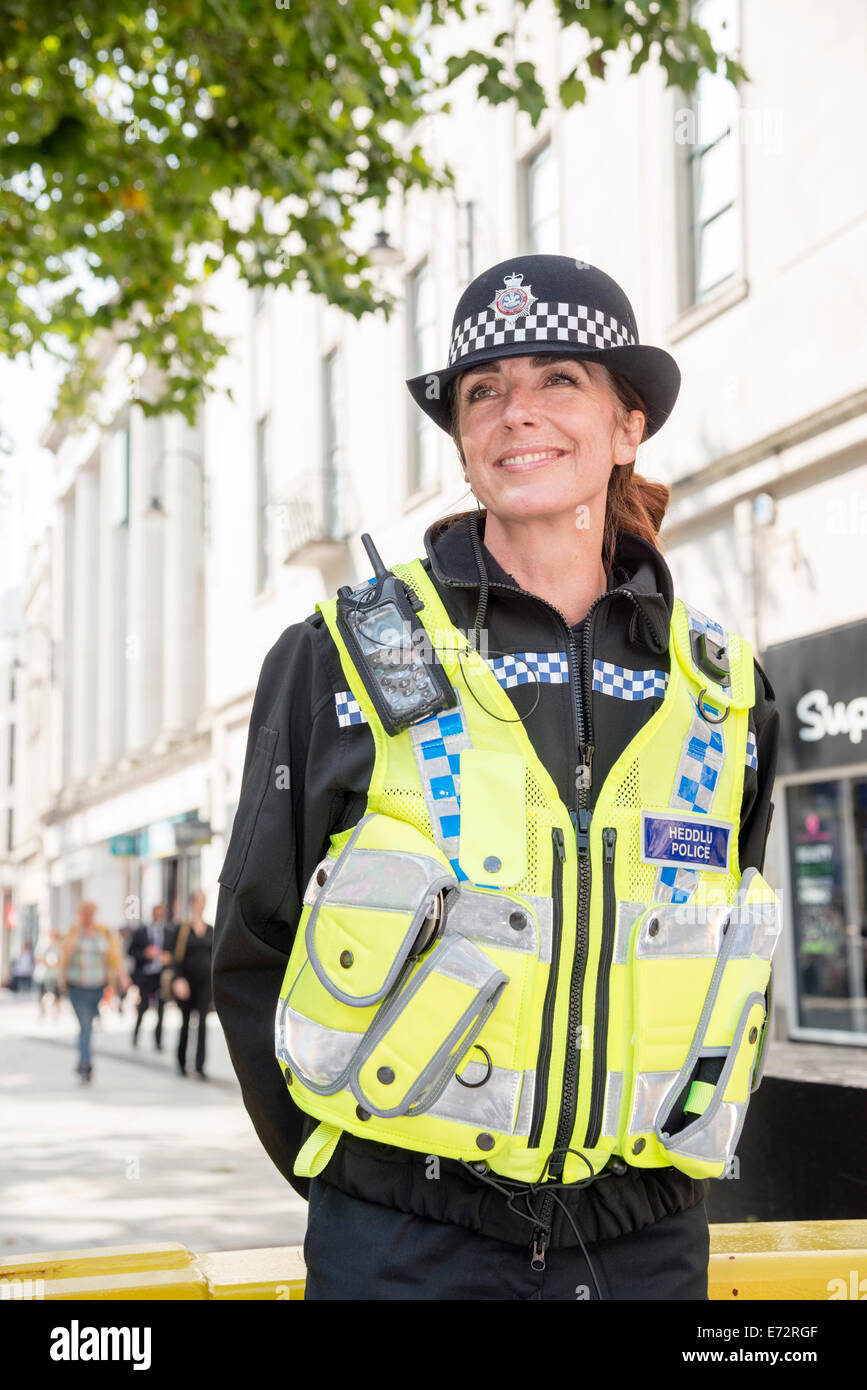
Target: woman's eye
<point>474,392</point>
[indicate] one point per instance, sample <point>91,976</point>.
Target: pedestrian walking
<point>150,955</point>
<point>22,970</point>
<point>191,985</point>
<point>47,972</point>
<point>90,960</point>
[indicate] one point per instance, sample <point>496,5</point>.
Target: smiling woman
<point>497,961</point>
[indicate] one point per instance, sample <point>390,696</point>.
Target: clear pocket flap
<point>380,905</point>
<point>417,1042</point>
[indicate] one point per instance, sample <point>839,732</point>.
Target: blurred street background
<point>141,1155</point>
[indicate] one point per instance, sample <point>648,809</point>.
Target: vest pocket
<point>420,1037</point>
<point>699,975</point>
<point>377,909</point>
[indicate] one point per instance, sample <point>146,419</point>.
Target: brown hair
<point>634,503</point>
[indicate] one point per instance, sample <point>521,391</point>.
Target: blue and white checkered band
<point>752,754</point>
<point>701,762</point>
<point>348,709</point>
<point>700,622</point>
<point>544,322</point>
<point>526,668</point>
<point>626,684</point>
<point>437,744</point>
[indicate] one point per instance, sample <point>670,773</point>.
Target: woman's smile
<point>528,460</point>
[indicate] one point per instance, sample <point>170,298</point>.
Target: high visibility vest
<point>482,975</point>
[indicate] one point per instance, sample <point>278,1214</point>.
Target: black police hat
<point>530,305</point>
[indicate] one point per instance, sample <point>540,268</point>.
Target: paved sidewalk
<point>139,1153</point>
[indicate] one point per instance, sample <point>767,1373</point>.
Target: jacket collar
<point>638,566</point>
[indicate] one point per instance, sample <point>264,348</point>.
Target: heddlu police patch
<point>693,843</point>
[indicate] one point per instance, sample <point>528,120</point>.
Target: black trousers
<point>199,1003</point>
<point>358,1250</point>
<point>150,993</point>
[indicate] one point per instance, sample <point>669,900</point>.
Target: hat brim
<point>651,370</point>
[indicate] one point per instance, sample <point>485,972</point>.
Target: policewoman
<point>493,944</point>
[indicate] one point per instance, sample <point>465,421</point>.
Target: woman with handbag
<point>191,981</point>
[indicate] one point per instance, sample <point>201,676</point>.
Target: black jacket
<point>306,777</point>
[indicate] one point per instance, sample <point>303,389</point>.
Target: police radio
<point>389,646</point>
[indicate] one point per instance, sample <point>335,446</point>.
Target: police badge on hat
<point>513,301</point>
<point>578,311</point>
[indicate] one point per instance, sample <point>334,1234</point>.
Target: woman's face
<point>541,434</point>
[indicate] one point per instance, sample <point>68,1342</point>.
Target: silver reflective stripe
<point>613,1097</point>
<point>627,915</point>
<point>319,1056</point>
<point>491,1106</point>
<point>651,1088</point>
<point>483,916</point>
<point>387,880</point>
<point>683,931</point>
<point>311,892</point>
<point>715,1141</point>
<point>759,923</point>
<point>465,963</point>
<point>544,910</point>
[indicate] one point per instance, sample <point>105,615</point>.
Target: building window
<point>10,828</point>
<point>828,859</point>
<point>332,444</point>
<point>423,356</point>
<point>713,161</point>
<point>263,545</point>
<point>11,755</point>
<point>542,203</point>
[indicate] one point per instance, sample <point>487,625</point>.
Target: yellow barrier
<point>789,1260</point>
<point>796,1260</point>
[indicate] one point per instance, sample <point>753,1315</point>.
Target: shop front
<point>820,683</point>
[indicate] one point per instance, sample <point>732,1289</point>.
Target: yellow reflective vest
<point>480,974</point>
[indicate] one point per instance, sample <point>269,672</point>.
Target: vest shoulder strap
<point>713,657</point>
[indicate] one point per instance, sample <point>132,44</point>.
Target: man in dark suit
<point>150,954</point>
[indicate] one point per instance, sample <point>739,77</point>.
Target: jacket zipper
<point>546,1037</point>
<point>606,951</point>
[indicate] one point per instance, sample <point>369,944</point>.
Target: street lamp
<point>157,510</point>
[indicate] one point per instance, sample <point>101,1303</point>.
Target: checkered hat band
<point>566,323</point>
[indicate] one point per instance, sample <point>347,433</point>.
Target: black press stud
<point>346,959</point>
<point>517,921</point>
<point>385,1075</point>
<point>754,1033</point>
<point>638,1146</point>
<point>362,1113</point>
<point>321,877</point>
<point>485,1141</point>
<point>493,865</point>
<point>653,926</point>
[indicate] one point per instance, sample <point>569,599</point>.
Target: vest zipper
<point>606,951</point>
<point>581,818</point>
<point>541,1097</point>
